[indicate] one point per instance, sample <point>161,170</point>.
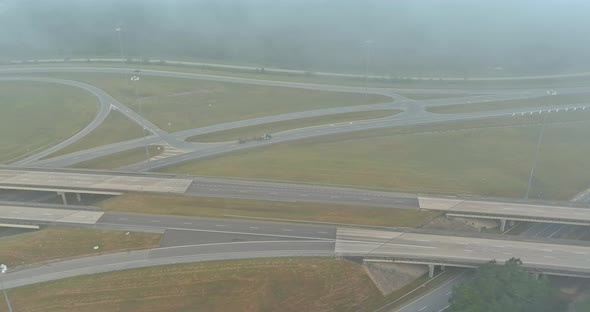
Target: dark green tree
<point>505,288</point>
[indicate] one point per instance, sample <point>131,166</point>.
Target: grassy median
<point>222,207</point>
<point>115,128</point>
<point>272,127</point>
<point>53,243</point>
<point>491,158</point>
<point>273,284</point>
<point>35,116</point>
<point>121,159</point>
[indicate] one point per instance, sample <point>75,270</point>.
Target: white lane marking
<point>187,223</point>
<point>322,232</point>
<point>155,221</point>
<point>550,257</point>
<point>237,232</point>
<point>219,225</point>
<point>579,253</point>
<point>16,211</point>
<point>441,310</point>
<point>48,214</point>
<point>546,250</point>
<point>123,219</point>
<point>287,230</point>
<point>247,242</point>
<point>423,308</point>
<point>253,228</point>
<point>467,250</point>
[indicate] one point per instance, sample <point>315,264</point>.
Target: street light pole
<point>3,269</point>
<point>118,30</point>
<point>135,80</point>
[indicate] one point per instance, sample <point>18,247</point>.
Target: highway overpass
<point>89,182</point>
<point>432,250</point>
<point>503,211</point>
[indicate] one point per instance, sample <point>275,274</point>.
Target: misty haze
<point>309,155</point>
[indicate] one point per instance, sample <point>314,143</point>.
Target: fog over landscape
<point>429,37</point>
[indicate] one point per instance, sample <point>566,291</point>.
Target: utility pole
<point>536,157</point>
<point>135,80</point>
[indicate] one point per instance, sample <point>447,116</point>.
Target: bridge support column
<point>536,276</point>
<point>79,197</point>
<point>63,197</point>
<point>502,225</point>
<point>431,270</point>
<point>442,267</point>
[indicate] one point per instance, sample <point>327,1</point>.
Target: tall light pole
<point>368,45</point>
<point>119,30</point>
<point>135,80</point>
<point>536,157</point>
<point>3,269</point>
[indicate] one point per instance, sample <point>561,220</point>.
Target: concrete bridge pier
<point>502,225</point>
<point>79,197</point>
<point>63,197</point>
<point>431,270</point>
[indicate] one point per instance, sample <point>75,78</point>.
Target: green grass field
<point>35,115</point>
<point>221,207</point>
<point>273,284</point>
<point>121,159</point>
<point>175,104</point>
<point>560,99</point>
<point>273,127</point>
<point>115,128</point>
<point>486,161</point>
<point>54,243</point>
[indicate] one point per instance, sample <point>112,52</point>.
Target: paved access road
<point>199,150</point>
<point>168,255</point>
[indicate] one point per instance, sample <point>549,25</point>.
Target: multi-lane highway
<point>232,239</point>
<point>216,239</point>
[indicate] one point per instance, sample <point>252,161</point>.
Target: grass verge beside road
<point>175,104</point>
<point>220,207</point>
<point>560,99</point>
<point>493,158</point>
<point>35,116</point>
<point>52,243</point>
<point>115,128</point>
<point>121,159</point>
<point>273,127</point>
<point>272,284</point>
<point>431,96</point>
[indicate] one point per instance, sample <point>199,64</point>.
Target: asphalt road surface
<point>171,139</point>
